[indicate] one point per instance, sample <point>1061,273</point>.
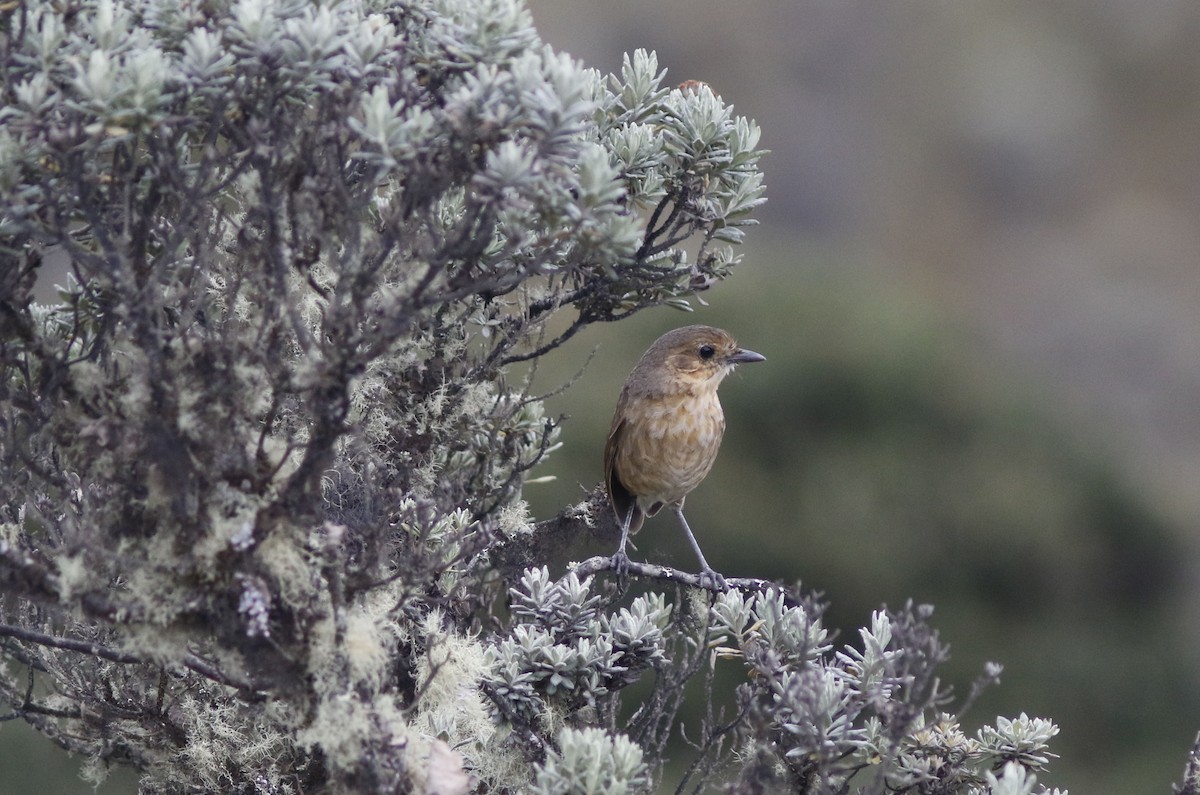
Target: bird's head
<point>698,355</point>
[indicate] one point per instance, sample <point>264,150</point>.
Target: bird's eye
<point>707,351</point>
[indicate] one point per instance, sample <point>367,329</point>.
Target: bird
<point>666,431</point>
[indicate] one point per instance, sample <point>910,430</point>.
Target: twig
<point>706,747</point>
<point>514,554</point>
<point>190,661</point>
<point>651,571</point>
<point>250,691</point>
<point>81,646</point>
<point>519,727</point>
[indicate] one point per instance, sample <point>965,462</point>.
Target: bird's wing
<point>622,500</point>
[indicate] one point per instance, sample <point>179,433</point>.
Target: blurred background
<point>976,284</point>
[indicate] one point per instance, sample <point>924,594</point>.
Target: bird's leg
<point>620,561</point>
<point>707,573</point>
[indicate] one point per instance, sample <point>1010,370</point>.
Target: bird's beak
<point>742,356</point>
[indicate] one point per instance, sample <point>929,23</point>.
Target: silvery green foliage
<point>590,762</point>
<point>1190,785</point>
<point>1016,780</point>
<point>253,447</point>
<point>864,718</point>
<point>564,652</point>
<point>812,716</point>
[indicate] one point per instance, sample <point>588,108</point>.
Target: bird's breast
<point>668,445</point>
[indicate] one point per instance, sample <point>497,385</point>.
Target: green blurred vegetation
<point>883,453</point>
<point>29,763</point>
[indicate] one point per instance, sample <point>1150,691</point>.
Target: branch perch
<point>652,571</point>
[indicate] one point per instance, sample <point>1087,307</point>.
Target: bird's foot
<point>620,564</point>
<point>712,580</point>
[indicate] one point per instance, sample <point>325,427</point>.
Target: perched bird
<point>667,429</point>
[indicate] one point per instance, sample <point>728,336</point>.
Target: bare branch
<point>651,571</point>
<point>82,646</point>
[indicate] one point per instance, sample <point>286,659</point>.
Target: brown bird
<point>667,429</point>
